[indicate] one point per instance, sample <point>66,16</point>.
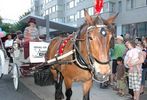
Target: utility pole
<point>47,28</point>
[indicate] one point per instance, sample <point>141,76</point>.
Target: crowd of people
<point>129,66</point>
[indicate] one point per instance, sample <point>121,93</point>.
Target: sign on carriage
<point>37,51</point>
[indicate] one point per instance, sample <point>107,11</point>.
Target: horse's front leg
<point>68,85</point>
<point>58,87</point>
<point>86,89</point>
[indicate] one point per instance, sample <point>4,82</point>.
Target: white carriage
<point>8,68</point>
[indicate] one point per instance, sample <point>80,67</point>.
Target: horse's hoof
<point>59,96</point>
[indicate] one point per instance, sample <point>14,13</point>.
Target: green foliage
<point>1,20</point>
<point>7,27</point>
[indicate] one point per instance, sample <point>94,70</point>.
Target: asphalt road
<point>7,91</point>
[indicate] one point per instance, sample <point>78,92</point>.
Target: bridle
<point>103,33</point>
<point>90,57</point>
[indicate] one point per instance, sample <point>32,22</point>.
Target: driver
<point>31,33</point>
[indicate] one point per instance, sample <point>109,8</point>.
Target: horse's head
<point>98,33</point>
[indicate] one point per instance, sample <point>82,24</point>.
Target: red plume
<point>98,6</point>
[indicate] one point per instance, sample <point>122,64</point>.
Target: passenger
<point>8,47</point>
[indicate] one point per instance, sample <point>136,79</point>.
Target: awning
<point>41,21</point>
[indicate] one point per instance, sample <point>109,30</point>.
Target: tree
<point>1,20</point>
<point>7,27</point>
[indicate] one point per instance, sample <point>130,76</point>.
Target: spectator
<point>120,75</point>
<point>8,47</point>
<point>30,34</point>
<point>144,66</point>
<point>133,59</point>
<point>118,51</point>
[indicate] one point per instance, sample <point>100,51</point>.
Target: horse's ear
<point>88,18</point>
<point>111,19</point>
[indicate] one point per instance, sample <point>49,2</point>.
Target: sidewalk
<point>47,92</point>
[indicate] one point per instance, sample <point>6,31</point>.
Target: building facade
<point>132,17</point>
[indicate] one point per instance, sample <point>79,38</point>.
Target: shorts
<point>134,81</point>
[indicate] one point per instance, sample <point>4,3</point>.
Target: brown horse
<point>90,57</point>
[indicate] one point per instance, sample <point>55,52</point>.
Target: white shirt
<point>8,43</point>
<point>133,54</point>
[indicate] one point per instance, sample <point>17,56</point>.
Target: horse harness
<point>78,59</point>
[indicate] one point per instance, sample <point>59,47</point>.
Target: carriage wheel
<point>1,71</point>
<point>15,76</point>
<point>1,74</point>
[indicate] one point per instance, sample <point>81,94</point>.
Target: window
<point>125,29</point>
<point>71,4</point>
<point>82,13</point>
<point>120,6</point>
<point>59,8</point>
<point>50,10</point>
<point>109,7</point>
<point>53,9</point>
<point>46,12</point>
<point>140,3</point>
<point>106,7</point>
<point>78,15</point>
<point>91,11</point>
<point>76,2</point>
<point>71,18</point>
<point>46,1</point>
<point>130,4</point>
<point>141,29</point>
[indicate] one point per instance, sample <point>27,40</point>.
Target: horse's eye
<point>90,38</point>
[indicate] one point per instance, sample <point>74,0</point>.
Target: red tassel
<point>98,6</point>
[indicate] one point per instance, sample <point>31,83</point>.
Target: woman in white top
<point>8,47</point>
<point>134,59</point>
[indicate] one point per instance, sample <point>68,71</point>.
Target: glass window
<point>53,9</point>
<point>75,17</point>
<point>47,12</point>
<point>140,3</point>
<point>78,15</point>
<point>59,8</point>
<point>91,11</point>
<point>141,29</point>
<point>106,7</point>
<point>111,7</point>
<point>71,4</point>
<point>71,18</point>
<point>76,2</point>
<point>129,4</point>
<point>125,29</point>
<point>82,13</point>
<point>50,10</point>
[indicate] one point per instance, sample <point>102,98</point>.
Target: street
<point>7,91</point>
<point>29,91</point>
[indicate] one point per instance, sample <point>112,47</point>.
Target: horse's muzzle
<point>98,77</point>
